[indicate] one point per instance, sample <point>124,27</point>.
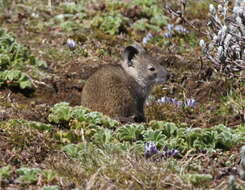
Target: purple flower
<point>170,153</point>
<point>71,44</point>
<point>190,102</point>
<point>174,101</point>
<point>170,27</point>
<point>162,100</point>
<point>180,29</point>
<point>167,100</point>
<point>150,149</point>
<point>148,37</point>
<point>168,35</point>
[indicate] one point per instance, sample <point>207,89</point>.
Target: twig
<point>180,14</point>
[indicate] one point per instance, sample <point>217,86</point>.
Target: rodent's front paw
<point>138,118</point>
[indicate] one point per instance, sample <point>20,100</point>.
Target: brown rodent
<point>120,90</point>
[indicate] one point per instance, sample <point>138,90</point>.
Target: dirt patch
<point>204,91</point>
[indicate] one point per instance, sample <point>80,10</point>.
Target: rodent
<point>120,91</point>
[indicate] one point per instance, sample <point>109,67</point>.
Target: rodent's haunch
<point>120,90</point>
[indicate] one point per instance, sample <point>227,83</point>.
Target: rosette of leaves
<point>62,113</point>
<point>15,59</point>
<point>28,175</point>
<point>70,17</point>
<point>15,78</point>
<point>152,16</point>
<point>226,45</point>
<point>130,133</point>
<point>102,136</point>
<point>5,172</point>
<point>86,153</point>
<point>15,56</point>
<point>183,138</point>
<point>111,23</point>
<point>155,136</point>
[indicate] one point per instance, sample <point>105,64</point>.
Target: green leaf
<point>50,187</point>
<point>198,179</point>
<point>5,172</point>
<point>60,112</point>
<point>131,132</point>
<point>25,84</point>
<point>155,136</point>
<point>28,175</point>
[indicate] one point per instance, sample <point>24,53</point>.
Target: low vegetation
<point>195,122</point>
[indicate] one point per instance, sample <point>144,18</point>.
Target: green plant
<point>218,137</point>
<point>155,136</point>
<point>96,128</point>
<point>102,136</point>
<point>60,113</point>
<point>50,187</point>
<point>144,25</point>
<point>81,117</point>
<point>12,54</point>
<point>14,59</point>
<point>28,175</point>
<point>28,124</point>
<point>72,7</point>
<point>15,78</point>
<point>5,172</point>
<point>198,179</point>
<point>49,175</point>
<point>87,154</point>
<point>154,17</point>
<point>131,132</point>
<point>111,23</point>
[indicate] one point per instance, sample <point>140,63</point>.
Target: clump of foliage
<point>226,48</point>
<point>151,16</point>
<point>62,112</point>
<point>111,23</point>
<point>218,137</point>
<point>5,172</point>
<point>13,55</point>
<point>15,78</point>
<point>111,17</point>
<point>69,16</point>
<point>99,129</point>
<point>80,149</point>
<point>50,187</point>
<point>152,11</point>
<point>82,122</point>
<point>28,175</point>
<point>198,179</point>
<point>15,123</point>
<point>14,60</point>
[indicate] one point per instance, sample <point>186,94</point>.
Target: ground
<point>64,152</point>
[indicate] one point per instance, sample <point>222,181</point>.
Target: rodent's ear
<point>130,52</point>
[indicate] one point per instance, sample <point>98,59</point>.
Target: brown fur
<point>116,91</point>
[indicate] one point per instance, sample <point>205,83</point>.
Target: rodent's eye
<point>152,68</point>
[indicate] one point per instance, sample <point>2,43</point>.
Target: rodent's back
<point>120,90</point>
<point>112,91</point>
